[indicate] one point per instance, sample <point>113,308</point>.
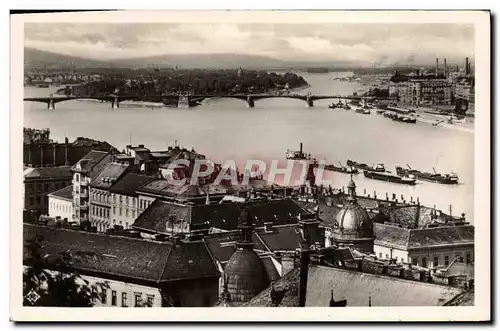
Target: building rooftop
<point>124,257</point>
<point>91,161</point>
<point>385,291</point>
<point>418,238</point>
<point>47,173</point>
<point>222,216</point>
<point>109,175</point>
<point>64,193</point>
<point>129,183</point>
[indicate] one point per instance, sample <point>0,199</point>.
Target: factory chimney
<point>466,65</point>
<point>437,67</point>
<point>445,69</point>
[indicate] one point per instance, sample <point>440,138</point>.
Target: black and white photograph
<point>314,160</point>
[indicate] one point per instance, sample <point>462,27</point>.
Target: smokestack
<point>300,148</point>
<point>304,270</point>
<point>445,69</point>
<point>466,65</point>
<point>437,66</point>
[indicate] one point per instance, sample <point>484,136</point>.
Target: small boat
<point>449,178</point>
<point>297,155</point>
<point>380,111</point>
<point>366,111</point>
<point>389,178</point>
<point>332,106</point>
<point>347,107</point>
<point>379,167</point>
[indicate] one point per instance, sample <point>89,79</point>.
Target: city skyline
<point>363,44</point>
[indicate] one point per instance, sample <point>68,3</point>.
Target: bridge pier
<point>115,104</point>
<point>310,102</point>
<point>51,104</point>
<point>250,102</point>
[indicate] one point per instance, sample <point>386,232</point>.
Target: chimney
<point>300,148</point>
<point>466,65</point>
<point>304,270</point>
<point>437,66</point>
<point>287,262</point>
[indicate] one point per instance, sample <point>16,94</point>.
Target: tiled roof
<point>48,173</point>
<point>391,235</point>
<point>126,257</point>
<point>155,217</point>
<point>129,183</point>
<point>285,238</point>
<point>65,193</point>
<point>418,238</point>
<point>109,175</point>
<point>94,162</point>
<point>357,287</point>
<point>287,288</point>
<point>441,235</point>
<point>221,216</point>
<point>222,245</point>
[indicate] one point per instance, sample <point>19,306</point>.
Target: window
<point>32,201</point>
<point>424,262</point>
<point>435,262</point>
<point>140,204</point>
<point>386,256</point>
<point>113,298</point>
<point>124,299</point>
<point>126,212</point>
<point>126,225</point>
<point>380,255</point>
<point>104,296</point>
<point>446,260</point>
<point>150,300</point>
<point>114,198</point>
<point>402,260</point>
<point>120,211</point>
<point>77,177</point>
<point>38,200</point>
<point>468,258</point>
<point>121,199</point>
<point>46,187</point>
<point>133,213</point>
<point>126,200</point>
<point>137,299</point>
<point>114,210</point>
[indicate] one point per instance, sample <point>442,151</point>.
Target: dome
<point>246,276</point>
<point>352,217</point>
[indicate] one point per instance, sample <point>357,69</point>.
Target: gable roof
<point>109,175</point>
<point>64,193</point>
<point>94,162</point>
<point>124,257</point>
<point>61,172</point>
<point>129,183</point>
<point>357,287</point>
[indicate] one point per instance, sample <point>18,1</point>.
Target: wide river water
<point>225,129</point>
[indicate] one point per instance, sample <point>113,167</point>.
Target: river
<point>225,129</point>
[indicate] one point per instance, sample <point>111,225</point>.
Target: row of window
<point>47,187</point>
<point>124,302</point>
<point>143,204</point>
<point>100,211</point>
<point>38,200</point>
<point>61,207</point>
<point>435,260</point>
<point>120,211</point>
<point>104,227</point>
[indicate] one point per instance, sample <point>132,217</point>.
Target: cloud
<point>370,43</point>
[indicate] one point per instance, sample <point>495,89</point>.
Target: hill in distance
<point>37,59</point>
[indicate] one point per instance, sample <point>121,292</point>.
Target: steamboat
<point>297,155</point>
<point>379,167</point>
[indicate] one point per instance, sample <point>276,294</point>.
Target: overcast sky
<point>363,43</point>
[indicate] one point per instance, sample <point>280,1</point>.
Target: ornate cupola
<point>244,273</point>
<point>353,225</point>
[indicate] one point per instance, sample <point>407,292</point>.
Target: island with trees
<point>148,85</point>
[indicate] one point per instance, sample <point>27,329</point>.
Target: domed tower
<point>353,224</point>
<point>245,274</point>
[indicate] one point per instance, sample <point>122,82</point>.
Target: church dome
<point>246,276</point>
<point>352,217</point>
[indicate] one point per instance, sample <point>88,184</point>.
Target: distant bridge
<point>193,100</point>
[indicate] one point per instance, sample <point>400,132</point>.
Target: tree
<point>62,286</point>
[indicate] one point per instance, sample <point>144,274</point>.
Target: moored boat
<point>447,178</point>
<point>404,119</point>
<point>342,169</point>
<point>379,167</point>
<point>389,178</point>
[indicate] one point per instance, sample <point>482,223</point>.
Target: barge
<point>450,178</point>
<point>376,168</point>
<point>341,168</point>
<point>389,178</point>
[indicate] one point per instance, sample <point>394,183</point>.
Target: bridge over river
<point>192,100</point>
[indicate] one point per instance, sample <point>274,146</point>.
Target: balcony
<point>84,207</point>
<point>84,194</point>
